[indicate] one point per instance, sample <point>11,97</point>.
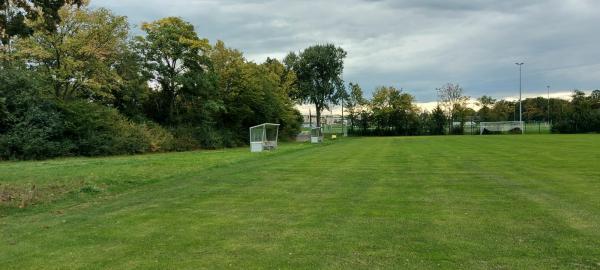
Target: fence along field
<point>416,202</point>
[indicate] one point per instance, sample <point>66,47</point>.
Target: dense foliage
<point>15,13</point>
<point>84,87</point>
<point>582,115</point>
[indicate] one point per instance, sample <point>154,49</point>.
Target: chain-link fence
<point>531,127</point>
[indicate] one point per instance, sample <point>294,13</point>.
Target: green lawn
<point>468,202</point>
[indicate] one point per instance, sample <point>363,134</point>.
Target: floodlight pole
<point>521,95</point>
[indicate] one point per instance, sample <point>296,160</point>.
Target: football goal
<point>507,126</point>
<point>316,135</point>
<point>264,137</point>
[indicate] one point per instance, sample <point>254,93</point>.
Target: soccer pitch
<point>468,202</point>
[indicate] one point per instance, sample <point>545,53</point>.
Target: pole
<point>521,95</point>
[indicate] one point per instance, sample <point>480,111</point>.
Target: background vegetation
<point>392,111</point>
<point>73,81</point>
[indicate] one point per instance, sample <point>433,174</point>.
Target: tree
<point>486,101</point>
<point>253,94</point>
<point>485,112</point>
<point>78,58</point>
<point>535,109</point>
<point>15,13</point>
<point>438,121</point>
<point>595,97</point>
<point>503,111</point>
<point>319,76</point>
<point>172,54</point>
<point>452,99</point>
<point>394,112</point>
<point>381,106</point>
<point>355,103</point>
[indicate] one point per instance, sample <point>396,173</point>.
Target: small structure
<point>316,135</point>
<point>264,137</point>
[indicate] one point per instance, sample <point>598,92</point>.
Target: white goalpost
<point>264,137</point>
<point>505,126</point>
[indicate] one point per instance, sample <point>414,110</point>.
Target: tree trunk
<point>318,115</point>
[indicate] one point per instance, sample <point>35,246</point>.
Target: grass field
<point>468,202</point>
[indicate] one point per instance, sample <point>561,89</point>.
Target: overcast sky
<point>416,45</point>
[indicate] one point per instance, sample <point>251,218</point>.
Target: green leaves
<point>319,72</point>
<point>175,59</point>
<point>79,57</point>
<point>14,13</point>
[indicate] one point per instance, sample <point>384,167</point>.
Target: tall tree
<point>15,13</point>
<point>319,76</point>
<point>173,54</point>
<point>451,97</point>
<point>80,56</point>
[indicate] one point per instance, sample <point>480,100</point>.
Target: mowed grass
<point>470,202</point>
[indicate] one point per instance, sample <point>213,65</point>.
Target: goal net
<point>264,137</point>
<point>506,126</point>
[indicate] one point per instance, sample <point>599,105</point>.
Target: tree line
<point>74,82</point>
<point>392,112</point>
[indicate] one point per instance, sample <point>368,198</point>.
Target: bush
<point>160,139</point>
<point>31,126</point>
<point>191,138</point>
<point>98,130</point>
<point>184,139</point>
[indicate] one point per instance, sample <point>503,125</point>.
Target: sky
<point>416,45</point>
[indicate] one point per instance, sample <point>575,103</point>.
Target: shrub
<point>184,139</point>
<point>31,127</point>
<point>206,137</point>
<point>159,139</point>
<point>98,130</point>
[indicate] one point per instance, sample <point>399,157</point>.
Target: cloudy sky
<point>416,45</point>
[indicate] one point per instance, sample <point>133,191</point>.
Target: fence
<point>533,127</point>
